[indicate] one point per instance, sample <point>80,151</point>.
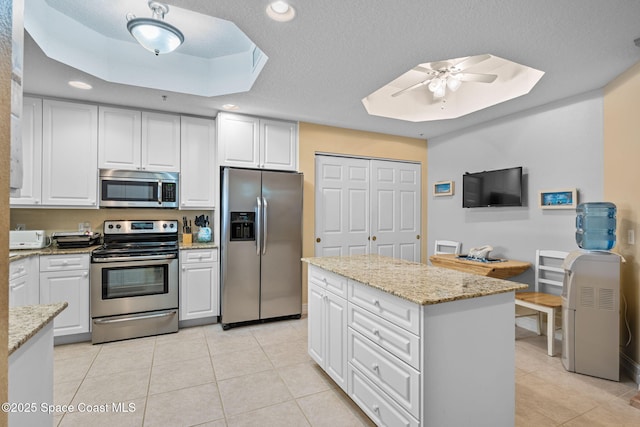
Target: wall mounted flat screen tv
<point>492,188</point>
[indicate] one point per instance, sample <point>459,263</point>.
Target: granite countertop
<point>26,321</point>
<point>16,254</point>
<point>419,283</point>
<point>197,245</point>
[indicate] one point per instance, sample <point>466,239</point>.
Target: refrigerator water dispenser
<point>242,226</point>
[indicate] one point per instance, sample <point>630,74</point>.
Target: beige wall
<point>621,182</point>
<point>324,139</point>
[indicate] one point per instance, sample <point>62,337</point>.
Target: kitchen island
<point>31,363</point>
<point>414,344</point>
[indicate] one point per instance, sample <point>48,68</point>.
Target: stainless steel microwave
<point>138,189</point>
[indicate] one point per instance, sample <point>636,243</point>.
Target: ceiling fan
<point>443,75</point>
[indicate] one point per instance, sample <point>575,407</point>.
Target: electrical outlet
<point>20,227</point>
<point>631,237</point>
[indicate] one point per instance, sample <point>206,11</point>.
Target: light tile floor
<point>261,375</point>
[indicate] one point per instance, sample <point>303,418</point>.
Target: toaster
<point>27,239</point>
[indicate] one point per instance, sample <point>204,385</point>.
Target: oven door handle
<point>135,258</point>
<point>135,317</point>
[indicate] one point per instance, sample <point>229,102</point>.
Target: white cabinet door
<point>316,323</point>
<point>160,142</point>
<point>197,163</point>
<point>327,337</point>
<point>119,138</point>
<point>24,282</point>
<point>69,154</point>
<point>31,192</point>
<point>238,140</point>
<point>278,145</point>
<point>199,291</point>
<point>72,287</point>
<point>342,206</point>
<point>395,209</point>
<point>336,341</point>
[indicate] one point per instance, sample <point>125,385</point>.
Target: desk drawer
<point>379,407</point>
<point>399,342</point>
<point>330,281</point>
<point>396,310</point>
<point>394,377</point>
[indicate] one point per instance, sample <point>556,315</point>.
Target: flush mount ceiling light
<point>231,107</point>
<point>280,11</point>
<point>154,34</point>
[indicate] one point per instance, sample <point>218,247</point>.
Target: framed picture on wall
<point>566,198</point>
<point>443,188</point>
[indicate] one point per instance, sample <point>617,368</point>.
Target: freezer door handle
<point>264,223</point>
<point>258,225</point>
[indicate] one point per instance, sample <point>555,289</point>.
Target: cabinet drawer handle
<point>375,302</point>
<point>376,333</point>
<point>376,408</point>
<point>375,367</point>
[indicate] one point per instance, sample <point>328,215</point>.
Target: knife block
<point>187,238</point>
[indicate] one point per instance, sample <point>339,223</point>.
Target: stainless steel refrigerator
<point>261,245</point>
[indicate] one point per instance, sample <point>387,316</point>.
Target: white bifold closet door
<point>367,206</point>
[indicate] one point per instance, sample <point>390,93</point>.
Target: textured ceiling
<point>336,52</point>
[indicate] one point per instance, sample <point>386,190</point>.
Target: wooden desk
<point>500,270</point>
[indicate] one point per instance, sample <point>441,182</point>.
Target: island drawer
<point>399,342</point>
<point>330,281</point>
<point>394,377</point>
<point>379,407</point>
<point>390,307</point>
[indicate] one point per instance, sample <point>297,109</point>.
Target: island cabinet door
<point>316,324</point>
<point>336,350</point>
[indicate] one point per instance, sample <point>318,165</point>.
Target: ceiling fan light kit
<point>451,88</point>
<point>154,34</point>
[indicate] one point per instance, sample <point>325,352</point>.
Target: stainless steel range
<point>134,280</point>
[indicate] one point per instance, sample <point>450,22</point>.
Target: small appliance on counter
<point>28,239</point>
<point>75,239</point>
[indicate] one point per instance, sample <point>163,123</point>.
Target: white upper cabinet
<point>252,142</point>
<point>69,154</point>
<point>278,145</point>
<point>160,142</point>
<point>119,138</point>
<point>134,140</point>
<point>31,192</point>
<point>197,158</point>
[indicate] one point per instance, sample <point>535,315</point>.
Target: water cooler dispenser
<point>591,296</point>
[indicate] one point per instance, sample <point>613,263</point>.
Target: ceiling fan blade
<point>425,70</point>
<point>479,78</point>
<point>406,89</point>
<point>473,60</point>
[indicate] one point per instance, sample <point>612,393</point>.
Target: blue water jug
<point>596,226</point>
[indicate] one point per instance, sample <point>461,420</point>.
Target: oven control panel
<point>141,226</point>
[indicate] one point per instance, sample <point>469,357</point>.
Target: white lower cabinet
<point>24,286</point>
<point>199,287</point>
<point>327,331</point>
<point>66,278</point>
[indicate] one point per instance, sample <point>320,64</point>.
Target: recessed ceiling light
<point>230,107</point>
<point>280,11</point>
<point>80,85</point>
